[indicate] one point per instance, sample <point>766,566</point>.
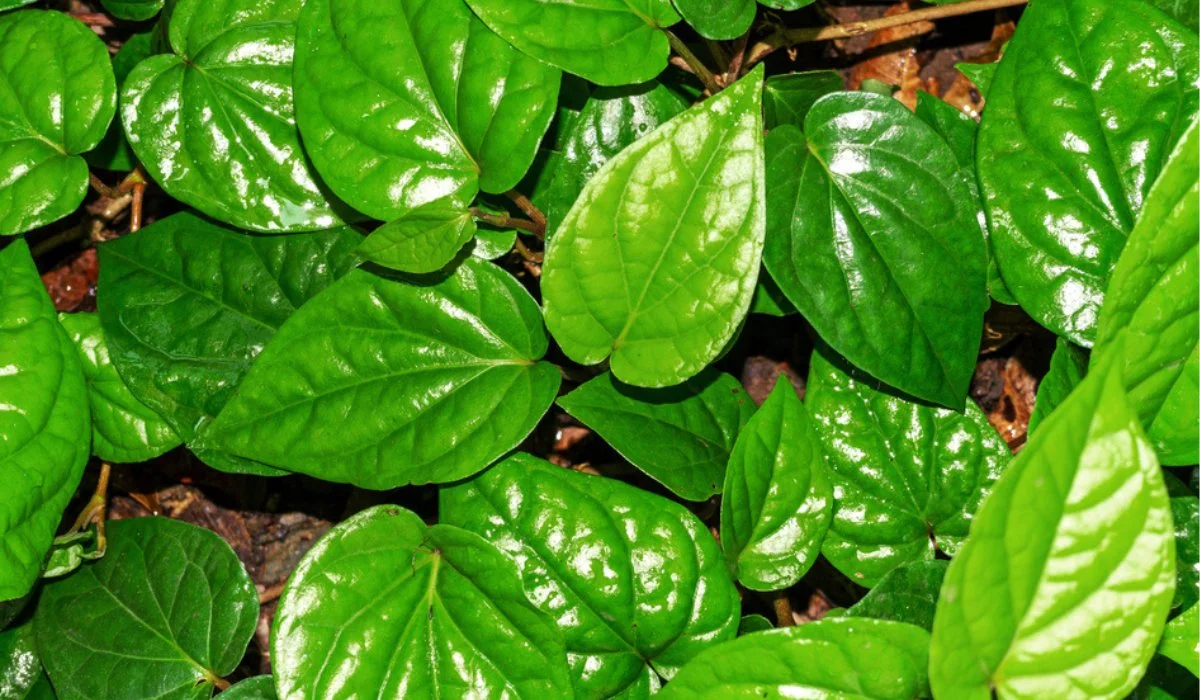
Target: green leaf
<point>387,607</point>
<point>113,151</point>
<point>1068,366</point>
<point>492,243</point>
<point>718,19</point>
<point>635,582</point>
<point>981,74</point>
<point>681,437</point>
<point>424,240</point>
<point>787,98</point>
<point>656,262</point>
<point>10,4</point>
<point>135,10</point>
<point>1179,642</point>
<point>427,383</point>
<point>1184,11</point>
<point>123,428</point>
<point>21,675</point>
<point>59,97</point>
<point>1066,580</point>
<point>166,612</point>
<point>609,42</point>
<point>1088,101</point>
<point>1185,513</point>
<point>907,593</point>
<point>907,477</point>
<point>256,688</point>
<point>769,299</point>
<point>213,122</point>
<point>44,423</point>
<point>410,102</point>
<point>786,4</point>
<point>857,214</point>
<point>187,305</point>
<point>1154,304</point>
<point>777,499</point>
<point>750,624</point>
<point>1166,680</point>
<point>837,658</point>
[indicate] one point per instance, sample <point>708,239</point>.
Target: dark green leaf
<point>10,4</point>
<point>1185,513</point>
<point>136,10</point>
<point>1068,366</point>
<point>907,593</point>
<point>750,624</point>
<point>21,675</point>
<point>787,4</point>
<point>1179,642</point>
<point>787,98</point>
<point>256,688</point>
<point>981,74</point>
<point>718,19</point>
<point>113,151</point>
<point>424,240</point>
<point>1185,11</point>
<point>769,299</point>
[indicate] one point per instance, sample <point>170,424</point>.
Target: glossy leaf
<point>427,382</point>
<point>1068,366</point>
<point>1088,101</point>
<point>447,619</point>
<point>777,499</point>
<point>907,593</point>
<point>655,263</point>
<point>1154,305</point>
<point>681,437</point>
<point>787,98</point>
<point>123,428</point>
<point>1065,582</point>
<point>907,477</point>
<point>135,10</point>
<point>113,151</point>
<point>424,240</point>
<point>166,612</point>
<point>844,657</point>
<point>718,19</point>
<point>59,98</point>
<point>44,423</point>
<point>21,676</point>
<point>1185,513</point>
<point>1179,641</point>
<point>860,207</point>
<point>417,101</point>
<point>255,688</point>
<point>634,581</point>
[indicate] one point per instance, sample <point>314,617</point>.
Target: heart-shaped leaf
<point>44,423</point>
<point>635,582</point>
<point>384,606</point>
<point>1068,366</point>
<point>427,382</point>
<point>681,436</point>
<point>860,206</point>
<point>60,96</point>
<point>166,613</point>
<point>113,151</point>
<point>906,476</point>
<point>213,122</point>
<point>123,428</point>
<point>1088,101</point>
<point>777,499</point>
<point>21,675</point>
<point>1179,642</point>
<point>718,19</point>
<point>787,98</point>
<point>1065,582</point>
<point>907,593</point>
<point>655,263</point>
<point>422,241</point>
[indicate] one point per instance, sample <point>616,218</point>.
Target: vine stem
<point>504,221</point>
<point>702,72</point>
<point>530,209</point>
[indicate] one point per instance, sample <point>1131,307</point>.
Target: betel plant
<point>559,224</point>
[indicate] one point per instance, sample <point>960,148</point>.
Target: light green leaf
<point>45,430</point>
<point>21,675</point>
<point>255,688</point>
<point>681,437</point>
<point>1087,103</point>
<point>787,98</point>
<point>1064,585</point>
<point>656,262</point>
<point>113,151</point>
<point>59,97</point>
<point>1068,366</point>
<point>384,606</point>
<point>135,10</point>
<point>718,19</point>
<point>424,240</point>
<point>907,593</point>
<point>166,612</point>
<point>907,477</point>
<point>634,581</point>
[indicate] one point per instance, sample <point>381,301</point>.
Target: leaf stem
<point>702,72</point>
<point>530,209</point>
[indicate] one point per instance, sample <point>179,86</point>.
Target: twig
<point>530,209</point>
<point>702,72</point>
<point>503,221</point>
<point>270,593</point>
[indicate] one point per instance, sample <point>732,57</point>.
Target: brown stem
<point>135,207</point>
<point>529,255</point>
<point>504,221</point>
<point>783,610</point>
<point>530,209</point>
<point>270,593</point>
<point>739,56</point>
<point>96,509</point>
<point>702,72</point>
<point>49,244</point>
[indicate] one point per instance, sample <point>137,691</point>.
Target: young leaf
<point>424,240</point>
<point>1154,305</point>
<point>835,658</point>
<point>113,151</point>
<point>425,382</point>
<point>1088,101</point>
<point>123,428</point>
<point>166,613</point>
<point>860,207</point>
<point>718,19</point>
<point>21,675</point>
<point>45,429</point>
<point>777,499</point>
<point>1064,585</point>
<point>384,606</point>
<point>907,593</point>
<point>1179,642</point>
<point>1068,366</point>
<point>255,688</point>
<point>681,436</point>
<point>635,582</point>
<point>60,96</point>
<point>906,476</point>
<point>787,98</point>
<point>656,262</point>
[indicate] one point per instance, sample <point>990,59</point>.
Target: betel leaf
<point>787,98</point>
<point>655,263</point>
<point>186,305</point>
<point>681,436</point>
<point>212,121</point>
<point>907,593</point>
<point>1064,585</point>
<point>255,688</point>
<point>165,613</point>
<point>718,19</point>
<point>422,241</point>
<point>1088,101</point>
<point>634,581</point>
<point>384,606</point>
<point>44,423</point>
<point>21,676</point>
<point>1068,366</point>
<point>1179,642</point>
<point>59,97</point>
<point>135,10</point>
<point>1153,303</point>
<point>860,206</point>
<point>777,499</point>
<point>113,151</point>
<point>835,658</point>
<point>609,42</point>
<point>906,476</point>
<point>425,382</point>
<point>1185,513</point>
<point>410,102</point>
